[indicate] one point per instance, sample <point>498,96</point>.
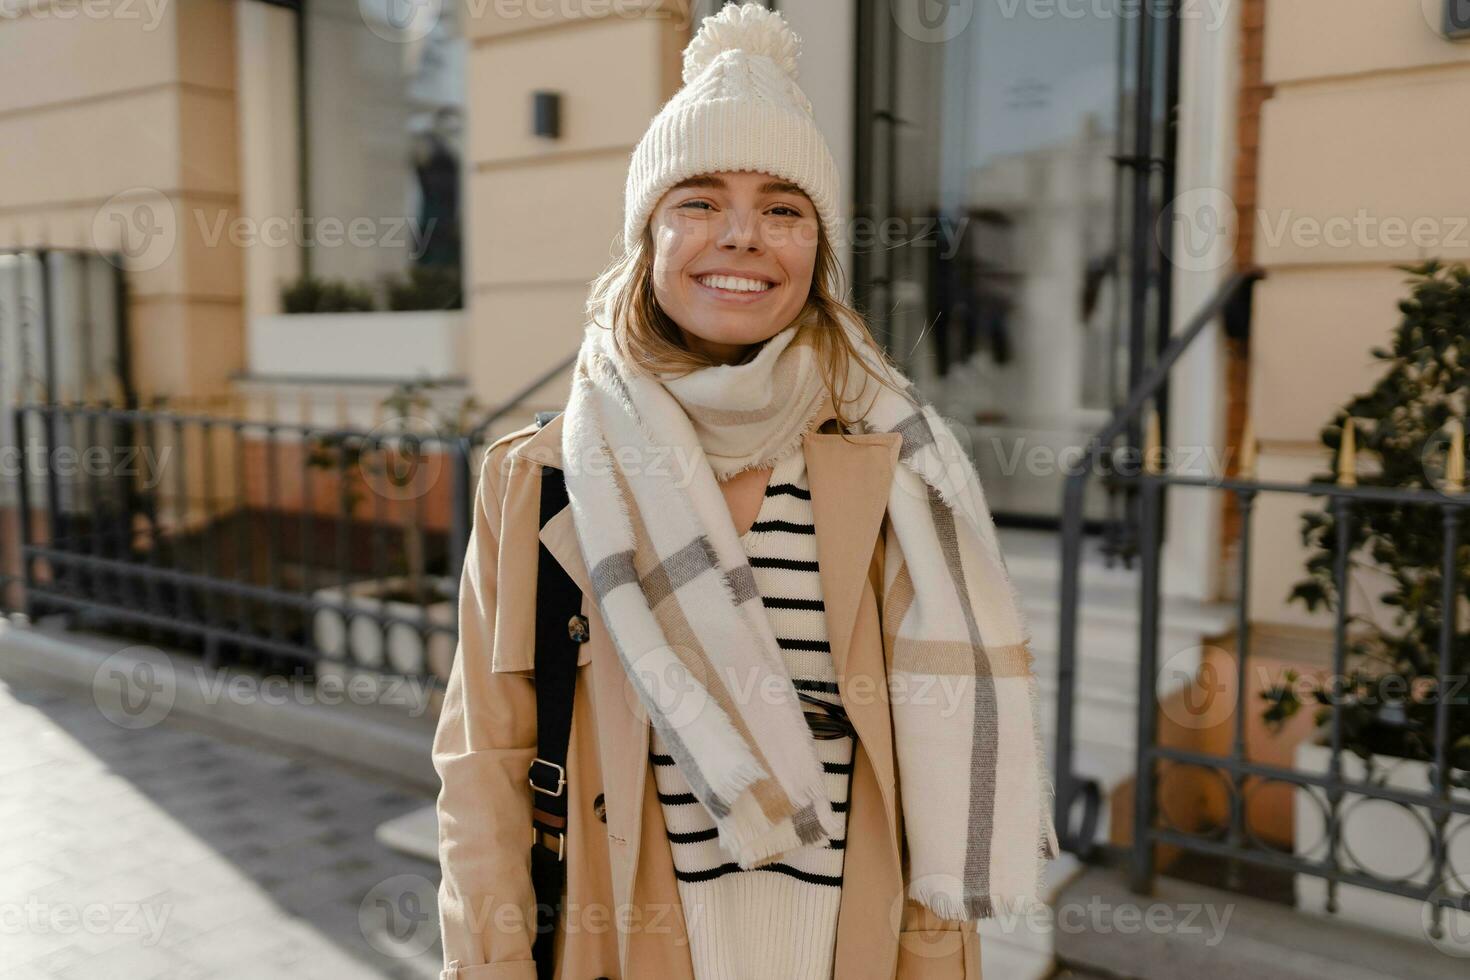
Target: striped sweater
<point>778,920</point>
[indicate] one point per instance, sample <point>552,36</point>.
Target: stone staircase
<point>1106,702</point>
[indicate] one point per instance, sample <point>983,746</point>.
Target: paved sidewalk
<point>171,852</point>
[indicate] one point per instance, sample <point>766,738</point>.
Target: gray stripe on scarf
<point>615,570</point>
<point>917,433</point>
<point>986,734</point>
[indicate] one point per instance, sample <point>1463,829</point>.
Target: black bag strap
<point>560,629</point>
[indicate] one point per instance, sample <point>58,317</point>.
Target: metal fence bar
<point>1246,500</point>
<point>1148,668</point>
<point>1448,615</point>
<point>1343,509</point>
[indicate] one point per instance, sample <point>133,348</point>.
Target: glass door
<point>994,224</point>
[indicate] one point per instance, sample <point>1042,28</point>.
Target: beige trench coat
<point>624,920</point>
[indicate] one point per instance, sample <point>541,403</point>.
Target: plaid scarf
<point>642,453</point>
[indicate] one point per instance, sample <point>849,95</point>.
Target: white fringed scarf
<point>642,454</point>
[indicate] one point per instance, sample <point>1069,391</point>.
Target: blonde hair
<point>622,299</point>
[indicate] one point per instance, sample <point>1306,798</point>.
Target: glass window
<point>384,140</point>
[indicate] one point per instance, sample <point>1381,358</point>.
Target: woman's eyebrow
<point>780,187</point>
<point>718,183</point>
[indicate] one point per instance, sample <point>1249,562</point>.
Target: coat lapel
<point>850,477</point>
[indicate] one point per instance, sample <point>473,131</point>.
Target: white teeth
<point>735,283</point>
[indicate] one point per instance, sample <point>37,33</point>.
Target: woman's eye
<point>696,204</point>
<point>786,211</point>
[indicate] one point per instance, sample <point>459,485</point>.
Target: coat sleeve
<point>482,750</point>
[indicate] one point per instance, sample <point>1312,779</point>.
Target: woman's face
<point>733,258</point>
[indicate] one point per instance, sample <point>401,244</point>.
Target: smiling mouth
<point>735,284</point>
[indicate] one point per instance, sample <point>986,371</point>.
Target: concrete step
<point>1189,930</point>
<point>415,833</point>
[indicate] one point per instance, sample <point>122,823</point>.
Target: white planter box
<point>357,345</point>
<point>359,639</point>
<point>1384,839</point>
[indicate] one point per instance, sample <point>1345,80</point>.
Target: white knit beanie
<point>740,109</point>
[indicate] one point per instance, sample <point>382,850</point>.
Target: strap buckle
<point>561,777</point>
<point>561,841</point>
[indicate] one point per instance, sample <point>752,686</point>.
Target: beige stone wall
<point>106,109</point>
<point>543,215</point>
<point>1362,167</point>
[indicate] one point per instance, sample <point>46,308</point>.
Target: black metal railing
<point>1104,458</point>
<point>1233,841</point>
<point>276,544</point>
<point>267,542</point>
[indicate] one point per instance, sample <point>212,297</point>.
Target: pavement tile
<point>195,856</point>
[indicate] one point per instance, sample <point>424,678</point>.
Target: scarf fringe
<point>768,842</point>
<point>973,907</point>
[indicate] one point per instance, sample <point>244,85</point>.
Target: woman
<point>804,739</point>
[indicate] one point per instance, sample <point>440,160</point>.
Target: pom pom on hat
<point>740,110</point>
<point>750,28</point>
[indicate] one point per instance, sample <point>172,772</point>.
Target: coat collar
<point>849,475</point>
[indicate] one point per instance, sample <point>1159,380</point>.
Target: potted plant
<point>348,624</point>
<point>1388,695</point>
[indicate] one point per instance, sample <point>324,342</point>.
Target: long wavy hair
<point>622,299</point>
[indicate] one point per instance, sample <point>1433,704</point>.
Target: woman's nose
<point>740,231</point>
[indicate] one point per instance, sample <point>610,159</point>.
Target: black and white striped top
<point>778,920</point>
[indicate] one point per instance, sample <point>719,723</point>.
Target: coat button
<point>599,807</point>
<point>577,628</point>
